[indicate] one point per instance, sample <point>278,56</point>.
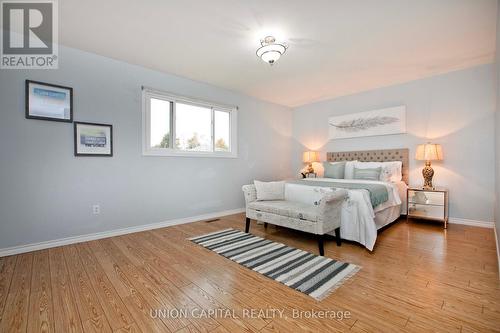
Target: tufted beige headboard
<point>384,155</point>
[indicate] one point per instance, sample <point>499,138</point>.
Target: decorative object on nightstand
<point>429,204</point>
<point>428,152</point>
<point>310,157</point>
<point>308,175</point>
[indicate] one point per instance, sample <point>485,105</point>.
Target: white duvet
<point>357,219</point>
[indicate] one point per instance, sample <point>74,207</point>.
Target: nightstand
<point>429,204</point>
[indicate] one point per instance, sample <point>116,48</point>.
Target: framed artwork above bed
<point>370,123</point>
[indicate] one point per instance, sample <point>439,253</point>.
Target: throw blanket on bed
<point>378,192</point>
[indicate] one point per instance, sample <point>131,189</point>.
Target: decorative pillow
<point>270,190</point>
<point>349,169</point>
<point>391,171</point>
<point>367,174</point>
<point>334,170</point>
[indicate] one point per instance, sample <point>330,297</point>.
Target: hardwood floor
<point>419,278</point>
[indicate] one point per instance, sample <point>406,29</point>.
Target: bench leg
<point>320,245</point>
<point>265,225</point>
<point>337,236</point>
<point>247,226</point>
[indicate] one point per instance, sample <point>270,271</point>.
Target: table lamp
<point>310,157</point>
<point>428,152</point>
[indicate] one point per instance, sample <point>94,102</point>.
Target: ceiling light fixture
<point>270,51</point>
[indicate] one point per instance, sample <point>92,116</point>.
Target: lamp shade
<point>429,152</point>
<point>310,156</point>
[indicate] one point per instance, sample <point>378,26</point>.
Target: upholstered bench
<point>320,218</point>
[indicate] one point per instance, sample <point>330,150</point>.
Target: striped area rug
<point>308,273</point>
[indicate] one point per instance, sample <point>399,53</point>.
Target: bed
<point>361,217</point>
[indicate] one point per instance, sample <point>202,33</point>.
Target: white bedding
<point>360,221</point>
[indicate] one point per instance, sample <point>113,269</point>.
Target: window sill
<point>178,153</point>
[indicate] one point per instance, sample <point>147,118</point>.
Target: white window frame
<point>147,150</point>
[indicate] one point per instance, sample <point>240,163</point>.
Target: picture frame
<point>93,139</point>
<point>46,101</point>
<point>386,121</point>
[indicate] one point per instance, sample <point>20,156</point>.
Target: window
<point>181,126</point>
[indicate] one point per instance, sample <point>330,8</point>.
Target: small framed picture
<point>93,139</point>
<point>49,101</point>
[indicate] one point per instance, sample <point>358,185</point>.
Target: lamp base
<point>428,173</point>
<point>310,168</point>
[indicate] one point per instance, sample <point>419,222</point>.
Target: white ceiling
<point>337,47</point>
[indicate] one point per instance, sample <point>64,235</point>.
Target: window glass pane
<point>193,127</point>
<point>160,123</point>
<point>221,130</point>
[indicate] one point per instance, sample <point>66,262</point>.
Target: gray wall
<point>46,193</point>
<point>456,110</point>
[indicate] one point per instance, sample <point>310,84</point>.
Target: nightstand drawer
<point>426,198</point>
<point>426,211</point>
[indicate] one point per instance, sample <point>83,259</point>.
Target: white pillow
<point>391,171</point>
<point>349,169</point>
<point>270,190</point>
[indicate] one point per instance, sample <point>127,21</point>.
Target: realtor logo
<point>29,34</point>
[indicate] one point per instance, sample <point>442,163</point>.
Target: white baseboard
<point>498,251</point>
<point>117,232</point>
<point>473,223</point>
